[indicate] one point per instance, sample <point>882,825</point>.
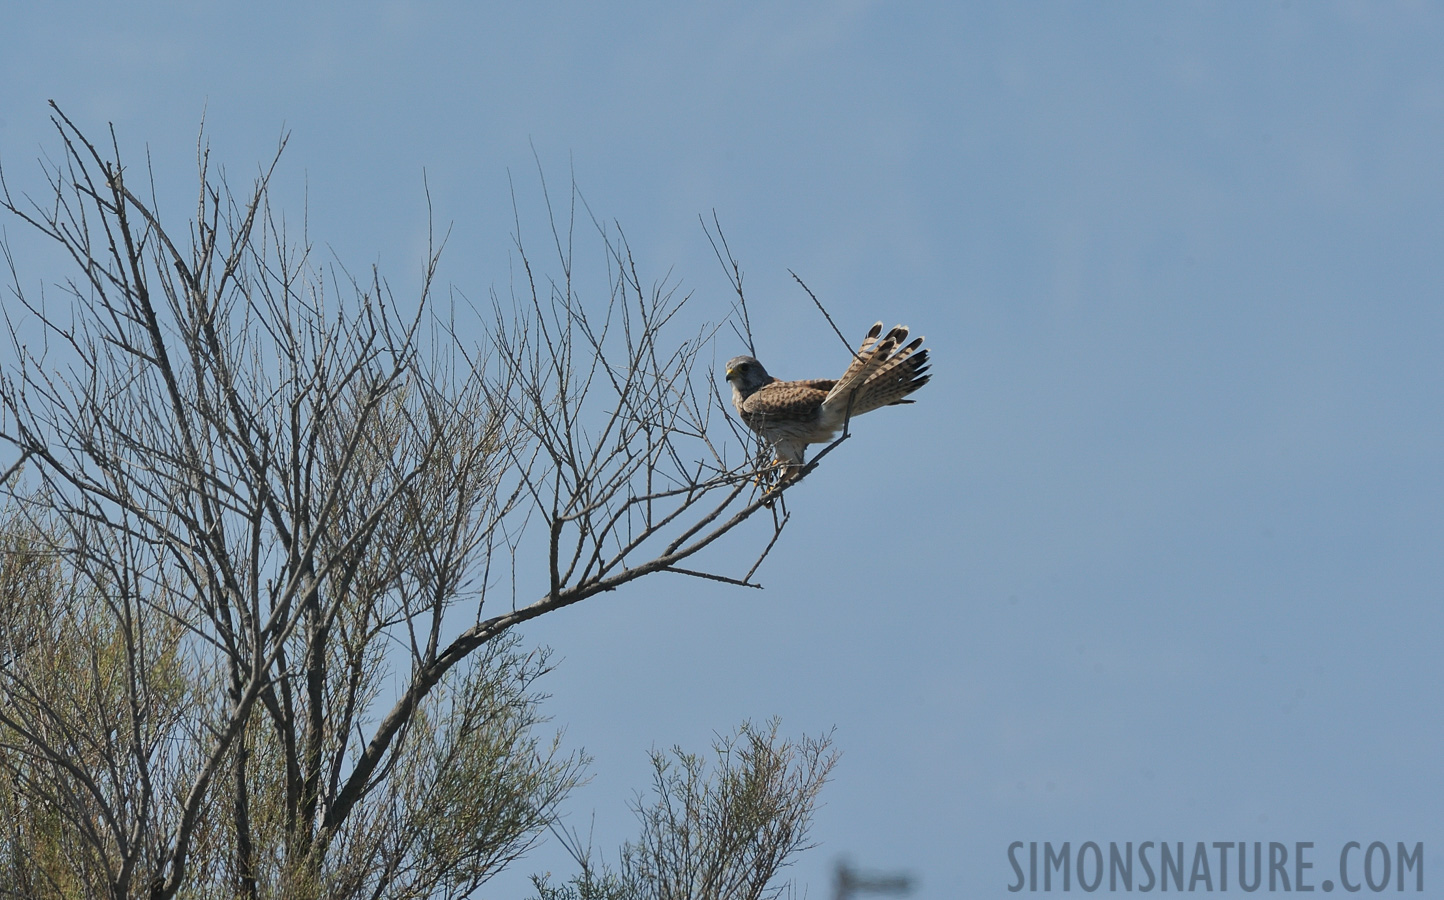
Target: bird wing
<point>783,401</point>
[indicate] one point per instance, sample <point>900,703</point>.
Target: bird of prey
<point>789,415</point>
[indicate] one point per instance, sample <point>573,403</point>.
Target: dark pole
<point>849,882</point>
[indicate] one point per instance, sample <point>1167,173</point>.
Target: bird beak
<point>730,373</point>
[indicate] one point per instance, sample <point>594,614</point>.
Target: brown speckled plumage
<point>789,415</point>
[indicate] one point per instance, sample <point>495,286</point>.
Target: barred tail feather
<point>880,375</point>
<point>894,386</point>
<point>866,363</point>
<point>852,377</point>
<point>903,373</point>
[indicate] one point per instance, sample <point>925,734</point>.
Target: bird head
<point>746,374</point>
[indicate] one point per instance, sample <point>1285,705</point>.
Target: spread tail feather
<point>880,374</point>
<point>852,377</point>
<point>872,354</point>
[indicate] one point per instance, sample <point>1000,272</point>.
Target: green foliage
<point>91,696</point>
<point>723,834</point>
<point>471,787</point>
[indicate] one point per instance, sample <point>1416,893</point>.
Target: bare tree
<point>264,543</point>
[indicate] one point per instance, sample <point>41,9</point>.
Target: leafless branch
<point>734,275</point>
<point>818,303</point>
<point>262,503</point>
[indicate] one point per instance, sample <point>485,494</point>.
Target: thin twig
<point>714,577</point>
<point>825,315</point>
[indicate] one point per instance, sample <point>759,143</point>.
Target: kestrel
<point>789,415</point>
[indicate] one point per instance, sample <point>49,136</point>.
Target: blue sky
<point>1164,557</point>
